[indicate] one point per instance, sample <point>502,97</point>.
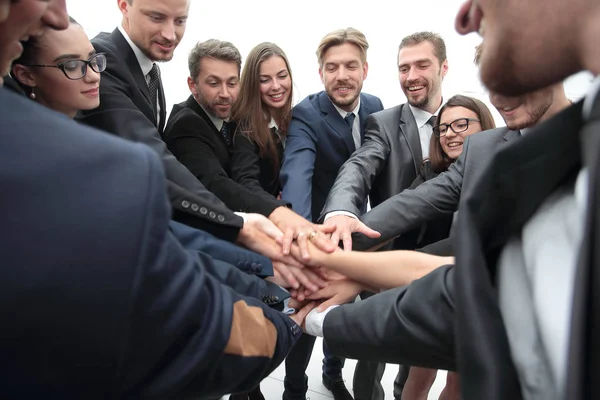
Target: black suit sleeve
<point>119,115</point>
<point>411,325</point>
<point>192,142</point>
<point>188,335</point>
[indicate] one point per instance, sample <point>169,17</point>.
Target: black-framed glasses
<point>76,69</point>
<point>458,125</point>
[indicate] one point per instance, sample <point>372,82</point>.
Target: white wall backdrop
<point>297,28</point>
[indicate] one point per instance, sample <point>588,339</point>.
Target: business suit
<point>436,197</point>
<point>256,173</point>
<point>126,111</point>
<point>96,308</point>
<point>193,138</point>
<point>460,304</point>
<point>319,141</point>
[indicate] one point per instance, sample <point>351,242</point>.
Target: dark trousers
<point>296,381</point>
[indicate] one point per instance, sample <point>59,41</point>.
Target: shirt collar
<point>273,124</point>
<point>146,64</point>
<point>344,113</point>
<point>588,102</point>
<point>422,116</point>
<point>217,122</point>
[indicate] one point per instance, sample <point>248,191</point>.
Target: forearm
<point>384,270</point>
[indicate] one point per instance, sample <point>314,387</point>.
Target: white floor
<point>272,387</point>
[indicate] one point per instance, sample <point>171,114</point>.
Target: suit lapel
<point>410,130</point>
<point>193,104</point>
<point>132,62</point>
<point>163,106</point>
<point>363,113</point>
<point>335,120</point>
<point>524,173</point>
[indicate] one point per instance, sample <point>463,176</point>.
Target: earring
<point>32,94</point>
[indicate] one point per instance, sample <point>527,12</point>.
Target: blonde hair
<point>341,36</point>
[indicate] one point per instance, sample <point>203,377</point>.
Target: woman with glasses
<point>61,70</point>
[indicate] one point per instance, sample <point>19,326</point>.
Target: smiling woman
<point>61,70</point>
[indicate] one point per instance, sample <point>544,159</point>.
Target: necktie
<point>431,121</point>
<point>153,84</point>
<point>225,131</point>
<point>350,119</point>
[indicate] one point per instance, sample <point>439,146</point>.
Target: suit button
<point>276,298</point>
<point>195,207</point>
<point>212,214</point>
<point>203,211</point>
<point>185,204</point>
<point>221,218</point>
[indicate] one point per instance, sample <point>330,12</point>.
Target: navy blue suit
<point>97,297</point>
<point>318,143</point>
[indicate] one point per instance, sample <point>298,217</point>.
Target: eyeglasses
<point>76,69</point>
<point>457,126</point>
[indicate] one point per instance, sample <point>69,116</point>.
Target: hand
<point>293,277</point>
<point>296,227</point>
<point>259,234</point>
<point>300,316</point>
<point>345,226</point>
<point>337,292</point>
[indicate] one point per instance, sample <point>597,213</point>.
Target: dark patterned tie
<point>225,132</point>
<point>350,119</point>
<point>153,84</point>
<point>431,121</point>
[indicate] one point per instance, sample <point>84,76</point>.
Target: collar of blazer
<point>131,61</point>
<point>335,121</point>
<point>522,174</point>
<point>409,129</point>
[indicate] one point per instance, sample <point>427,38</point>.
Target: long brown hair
<point>440,160</point>
<point>250,113</point>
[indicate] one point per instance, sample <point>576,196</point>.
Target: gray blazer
<point>383,166</point>
<point>436,197</point>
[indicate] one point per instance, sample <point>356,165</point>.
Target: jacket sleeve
<point>193,148</point>
<point>189,335</point>
<point>435,198</point>
<point>411,325</point>
<point>298,164</point>
<point>354,180</point>
<point>119,115</point>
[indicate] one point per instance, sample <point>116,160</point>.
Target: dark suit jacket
<point>438,197</point>
<point>386,164</point>
<point>319,141</point>
<point>258,174</point>
<point>460,304</point>
<point>98,299</point>
<point>194,140</point>
<point>125,110</point>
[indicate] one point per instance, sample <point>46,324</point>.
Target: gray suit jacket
<point>383,166</point>
<point>436,197</point>
<point>417,324</point>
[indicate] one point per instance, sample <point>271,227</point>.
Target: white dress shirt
<point>146,65</point>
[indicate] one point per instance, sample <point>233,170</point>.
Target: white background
<point>297,28</point>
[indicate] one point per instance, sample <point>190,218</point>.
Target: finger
<point>347,240</point>
<point>302,241</point>
<point>325,228</point>
<point>324,293</point>
<point>287,274</point>
<point>294,293</point>
<point>288,238</point>
<point>323,243</point>
<point>334,301</point>
<point>306,309</point>
<point>290,260</point>
<point>335,238</point>
<point>365,230</point>
<point>302,277</point>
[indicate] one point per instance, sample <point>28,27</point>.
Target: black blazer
<point>195,141</point>
<point>458,307</point>
<point>258,174</point>
<point>125,110</point>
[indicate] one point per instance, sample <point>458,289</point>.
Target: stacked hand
<point>343,227</point>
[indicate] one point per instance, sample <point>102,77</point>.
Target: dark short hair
<point>213,48</point>
<point>439,46</point>
<point>440,160</point>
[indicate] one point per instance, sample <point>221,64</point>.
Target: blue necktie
<point>350,120</point>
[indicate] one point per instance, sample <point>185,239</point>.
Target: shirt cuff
<point>313,324</point>
<point>334,213</point>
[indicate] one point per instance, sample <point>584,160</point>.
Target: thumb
<point>368,232</point>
